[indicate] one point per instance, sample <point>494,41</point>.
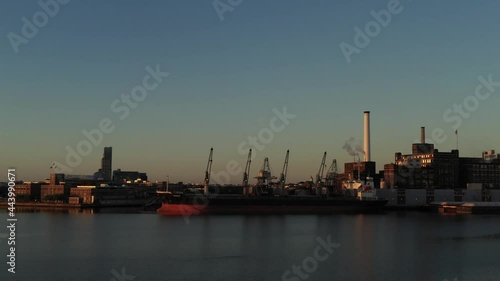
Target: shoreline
<point>4,205</point>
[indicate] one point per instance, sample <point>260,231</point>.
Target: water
<point>57,246</point>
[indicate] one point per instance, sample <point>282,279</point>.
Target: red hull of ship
<point>192,209</point>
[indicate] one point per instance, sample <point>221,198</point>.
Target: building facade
<point>121,177</point>
<point>480,171</point>
<point>425,167</point>
<point>105,172</point>
<point>28,191</point>
<point>86,193</point>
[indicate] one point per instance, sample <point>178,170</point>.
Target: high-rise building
<point>105,172</point>
<point>106,162</point>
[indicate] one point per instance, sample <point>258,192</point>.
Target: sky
<point>231,66</point>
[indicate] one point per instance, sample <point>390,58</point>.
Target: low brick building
<point>57,193</point>
<point>28,191</point>
<point>86,193</point>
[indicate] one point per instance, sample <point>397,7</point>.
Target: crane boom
<point>284,172</point>
<point>246,173</point>
<point>208,171</point>
<point>319,176</point>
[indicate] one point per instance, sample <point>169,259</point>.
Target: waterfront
<point>61,246</point>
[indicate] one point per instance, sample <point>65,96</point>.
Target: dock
<point>467,208</point>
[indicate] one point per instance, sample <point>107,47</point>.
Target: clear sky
<point>227,76</point>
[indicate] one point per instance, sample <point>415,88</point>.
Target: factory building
<point>484,172</point>
<point>366,168</point>
<point>427,168</point>
<point>121,177</point>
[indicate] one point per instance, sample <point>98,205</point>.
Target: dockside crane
<point>332,174</point>
<point>319,176</point>
<point>208,172</point>
<point>284,171</point>
<point>246,173</point>
<point>264,178</point>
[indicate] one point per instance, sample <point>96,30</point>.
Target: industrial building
<point>366,168</point>
<point>121,177</point>
<point>483,171</point>
<point>429,168</point>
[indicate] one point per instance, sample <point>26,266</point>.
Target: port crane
<point>319,176</point>
<point>284,171</point>
<point>264,178</point>
<point>332,174</point>
<point>208,171</point>
<point>246,173</point>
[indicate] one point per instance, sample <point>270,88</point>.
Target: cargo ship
<point>270,195</point>
<point>189,204</point>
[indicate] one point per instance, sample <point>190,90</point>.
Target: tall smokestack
<point>422,135</point>
<point>367,136</point>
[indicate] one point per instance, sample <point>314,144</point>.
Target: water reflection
<point>393,246</point>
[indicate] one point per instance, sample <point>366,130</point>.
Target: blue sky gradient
<point>226,77</point>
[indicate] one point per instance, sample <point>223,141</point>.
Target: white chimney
<point>367,136</point>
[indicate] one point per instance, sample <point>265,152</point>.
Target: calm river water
<point>61,246</point>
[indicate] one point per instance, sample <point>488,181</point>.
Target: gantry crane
<point>332,174</point>
<point>264,179</point>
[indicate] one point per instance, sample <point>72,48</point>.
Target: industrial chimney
<point>422,135</point>
<point>367,136</point>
